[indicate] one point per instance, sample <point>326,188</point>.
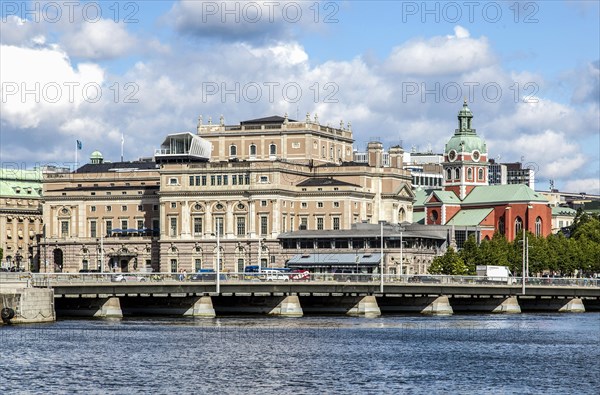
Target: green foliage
<point>449,263</point>
<point>1,254</point>
<point>555,254</point>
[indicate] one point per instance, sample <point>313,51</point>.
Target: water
<point>499,354</point>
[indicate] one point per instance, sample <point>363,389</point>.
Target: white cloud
<point>452,54</point>
<point>587,185</point>
<point>103,39</point>
<point>40,84</point>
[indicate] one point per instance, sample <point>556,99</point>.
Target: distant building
<point>237,185</point>
<point>468,201</point>
<point>20,216</point>
<point>510,173</point>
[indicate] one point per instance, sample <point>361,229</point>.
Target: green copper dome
<point>465,138</point>
<point>96,155</point>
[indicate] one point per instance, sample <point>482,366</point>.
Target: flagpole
<point>76,157</point>
<point>122,142</point>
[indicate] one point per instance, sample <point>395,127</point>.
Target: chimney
<point>375,153</point>
<point>396,154</point>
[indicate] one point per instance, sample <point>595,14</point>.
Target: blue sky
<point>153,64</point>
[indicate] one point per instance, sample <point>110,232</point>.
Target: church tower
<point>465,157</point>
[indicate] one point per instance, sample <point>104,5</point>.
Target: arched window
<point>538,226</point>
<point>272,149</point>
<point>470,173</point>
<point>232,150</point>
<point>501,226</point>
<point>252,150</point>
<point>457,173</point>
<point>401,215</point>
<point>434,216</point>
<point>518,225</point>
<point>448,174</point>
<point>480,175</point>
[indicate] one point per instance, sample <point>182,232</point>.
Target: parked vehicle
<point>425,279</point>
<point>276,275</point>
<point>495,274</point>
<point>204,275</point>
<point>299,275</point>
<point>125,277</point>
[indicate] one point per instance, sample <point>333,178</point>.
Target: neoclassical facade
<point>238,186</point>
<point>20,216</point>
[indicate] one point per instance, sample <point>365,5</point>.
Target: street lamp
<point>18,258</point>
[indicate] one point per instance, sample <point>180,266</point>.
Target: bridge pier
<point>434,305</point>
<point>506,305</point>
<point>202,307</point>
<point>562,305</point>
<point>110,308</point>
<point>288,307</point>
<point>366,307</point>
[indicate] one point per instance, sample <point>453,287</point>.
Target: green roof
<point>469,143</point>
<point>563,211</point>
<point>420,196</point>
<point>20,183</point>
<point>471,217</point>
<point>503,193</point>
<point>446,197</point>
<point>419,217</point>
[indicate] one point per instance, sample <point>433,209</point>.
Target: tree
<point>450,263</point>
<point>470,255</point>
<point>1,254</point>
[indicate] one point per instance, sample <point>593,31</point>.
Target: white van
<point>495,274</point>
<point>275,275</point>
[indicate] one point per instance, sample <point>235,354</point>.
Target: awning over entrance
<point>336,261</point>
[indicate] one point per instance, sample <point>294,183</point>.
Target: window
<point>246,179</point>
<point>191,181</point>
<point>173,204</point>
<point>303,223</point>
<point>173,181</point>
<point>124,224</point>
<point>212,180</point>
<point>108,227</point>
<point>304,205</point>
<point>173,265</point>
<point>263,203</point>
<point>234,179</point>
<point>469,173</point>
<point>233,151</point>
<point>197,226</point>
<point>155,207</point>
<point>292,223</point>
<point>264,225</point>
<point>264,179</point>
<point>241,226</point>
<point>197,264</point>
<point>219,180</point>
<point>457,173</point>
<point>252,150</point>
<point>156,226</point>
<point>140,224</point>
<point>225,181</point>
<point>64,228</point>
<point>123,208</point>
<point>140,207</point>
<point>272,149</point>
<point>284,224</point>
<point>538,226</point>
<point>93,208</point>
<point>336,223</point>
<point>173,227</point>
<point>123,193</point>
<point>93,229</point>
<point>108,208</point>
<point>320,204</point>
<point>219,225</point>
<point>480,175</point>
<point>336,204</point>
<point>319,223</point>
<point>197,180</point>
<point>203,180</point>
<point>518,225</point>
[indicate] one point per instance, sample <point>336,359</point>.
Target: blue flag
<point>79,145</point>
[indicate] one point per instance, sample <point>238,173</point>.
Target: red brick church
<point>468,200</point>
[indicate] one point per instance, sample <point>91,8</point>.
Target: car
<point>127,277</point>
<point>425,279</point>
<point>204,275</point>
<point>275,275</point>
<point>299,275</point>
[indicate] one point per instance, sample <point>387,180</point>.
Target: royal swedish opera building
<point>273,191</point>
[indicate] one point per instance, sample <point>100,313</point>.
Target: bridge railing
<point>47,279</point>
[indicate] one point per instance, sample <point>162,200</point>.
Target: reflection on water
<point>535,353</point>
